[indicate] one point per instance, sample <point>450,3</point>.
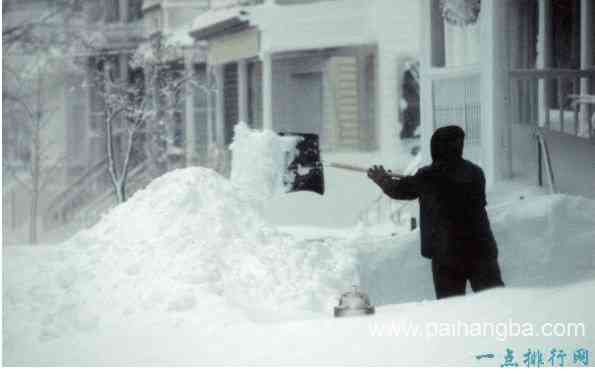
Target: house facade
<point>126,30</point>
<point>510,72</point>
<point>333,68</point>
<point>343,69</point>
<point>530,78</point>
<point>37,79</point>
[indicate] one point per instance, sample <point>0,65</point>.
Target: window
<point>255,94</point>
<point>135,10</point>
<point>230,98</point>
<point>97,90</point>
<point>409,114</point>
<point>565,45</point>
<point>111,11</point>
<point>524,24</point>
<point>8,5</point>
<point>566,34</point>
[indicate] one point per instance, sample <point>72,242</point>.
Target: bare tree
<point>28,112</point>
<point>162,63</point>
<point>126,112</point>
<point>34,50</point>
<point>43,19</point>
<point>142,102</point>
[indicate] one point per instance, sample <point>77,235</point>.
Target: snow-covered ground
<point>188,272</point>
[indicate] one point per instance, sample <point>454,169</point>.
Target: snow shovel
<point>355,168</point>
<point>306,168</point>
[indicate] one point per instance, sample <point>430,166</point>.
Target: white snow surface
<point>188,272</point>
<point>259,161</point>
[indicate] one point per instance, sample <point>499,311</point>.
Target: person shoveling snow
<point>186,272</point>
<point>455,229</point>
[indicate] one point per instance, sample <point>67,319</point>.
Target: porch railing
<point>548,98</point>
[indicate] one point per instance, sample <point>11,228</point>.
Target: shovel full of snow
<point>306,167</point>
<point>283,161</point>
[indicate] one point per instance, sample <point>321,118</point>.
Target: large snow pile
<point>186,243</point>
<point>191,258</point>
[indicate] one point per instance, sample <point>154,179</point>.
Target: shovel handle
<point>355,168</point>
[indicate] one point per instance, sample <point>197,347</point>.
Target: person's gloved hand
<point>379,175</point>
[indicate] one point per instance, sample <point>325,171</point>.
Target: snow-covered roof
<point>181,36</point>
<point>147,4</point>
<point>216,21</point>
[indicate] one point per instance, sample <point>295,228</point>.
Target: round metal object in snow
<point>354,303</point>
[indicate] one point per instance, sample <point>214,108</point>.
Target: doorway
<point>307,103</point>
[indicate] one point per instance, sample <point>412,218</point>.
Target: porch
<point>532,73</point>
<point>555,105</point>
<point>554,99</point>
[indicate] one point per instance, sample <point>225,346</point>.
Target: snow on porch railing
<point>550,98</point>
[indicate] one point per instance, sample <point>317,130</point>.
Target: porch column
<point>496,127</point>
<point>387,78</point>
<point>189,115</point>
<point>267,90</point>
<point>123,11</point>
<point>219,106</point>
<point>544,48</point>
<point>210,91</point>
<point>544,55</point>
<point>243,91</point>
<point>427,57</point>
<point>587,40</point>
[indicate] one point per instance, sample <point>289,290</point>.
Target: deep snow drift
<point>190,236</point>
<point>189,261</point>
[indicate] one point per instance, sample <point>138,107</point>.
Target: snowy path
<point>348,341</point>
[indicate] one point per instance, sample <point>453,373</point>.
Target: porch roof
<point>315,25</point>
<point>213,23</point>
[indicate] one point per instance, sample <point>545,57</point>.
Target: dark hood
<point>447,144</point>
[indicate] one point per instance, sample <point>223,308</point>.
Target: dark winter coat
<point>453,221</point>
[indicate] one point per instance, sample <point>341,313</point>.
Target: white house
<point>328,67</point>
<point>82,185</point>
<point>125,26</point>
<point>333,68</point>
<point>514,72</point>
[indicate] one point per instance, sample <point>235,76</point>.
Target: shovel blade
<point>306,168</point>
